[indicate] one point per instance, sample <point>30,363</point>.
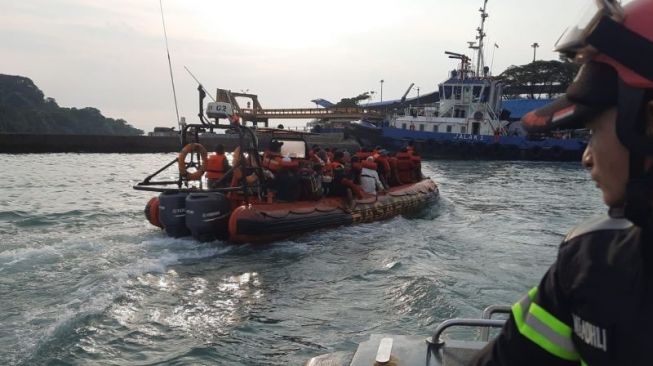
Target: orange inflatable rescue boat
<point>250,206</point>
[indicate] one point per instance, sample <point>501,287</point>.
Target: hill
<point>25,109</point>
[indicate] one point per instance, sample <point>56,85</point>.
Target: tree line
<point>25,109</point>
<point>539,78</point>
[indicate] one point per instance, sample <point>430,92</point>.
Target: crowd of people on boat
<point>324,172</point>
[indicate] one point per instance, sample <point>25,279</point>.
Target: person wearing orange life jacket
<point>370,182</point>
<point>363,153</point>
<point>341,181</point>
<point>217,166</point>
<point>405,166</point>
<point>284,180</point>
<point>383,167</point>
<point>393,179</point>
<point>272,156</point>
<point>355,169</point>
<point>240,170</point>
<point>417,165</point>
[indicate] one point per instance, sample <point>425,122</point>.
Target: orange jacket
<point>215,166</point>
<point>386,164</point>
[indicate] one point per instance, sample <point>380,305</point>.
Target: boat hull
<point>260,223</point>
<point>435,145</point>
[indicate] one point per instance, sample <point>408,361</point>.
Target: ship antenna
<point>480,62</point>
<point>199,83</point>
<point>172,79</point>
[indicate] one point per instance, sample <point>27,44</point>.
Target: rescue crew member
<point>341,181</point>
<point>405,166</point>
<point>593,306</point>
<point>370,181</point>
<point>217,166</point>
<point>272,156</point>
<point>383,167</point>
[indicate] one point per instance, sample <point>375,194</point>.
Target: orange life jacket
<point>215,166</point>
<point>403,156</point>
<point>405,166</point>
<point>362,155</point>
<point>386,164</point>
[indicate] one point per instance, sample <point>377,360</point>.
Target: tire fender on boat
<point>152,212</point>
<point>181,161</point>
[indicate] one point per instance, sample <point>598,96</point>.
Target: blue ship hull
<point>465,146</point>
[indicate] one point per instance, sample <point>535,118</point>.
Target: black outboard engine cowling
<point>172,213</point>
<point>207,216</point>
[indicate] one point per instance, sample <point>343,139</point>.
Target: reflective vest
<point>215,166</point>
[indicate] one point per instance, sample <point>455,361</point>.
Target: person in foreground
<point>594,306</point>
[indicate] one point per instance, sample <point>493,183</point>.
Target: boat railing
<point>486,322</point>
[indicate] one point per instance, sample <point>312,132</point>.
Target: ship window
<point>463,129</point>
<point>293,148</point>
<point>457,91</point>
<point>421,127</point>
<point>449,128</point>
<point>459,113</point>
<point>403,126</point>
<point>477,93</point>
<point>447,92</point>
<point>486,95</point>
<point>435,128</point>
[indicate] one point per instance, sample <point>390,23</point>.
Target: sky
<point>111,55</point>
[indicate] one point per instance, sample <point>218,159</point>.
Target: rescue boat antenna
<point>480,61</point>
<point>172,79</point>
<point>199,83</point>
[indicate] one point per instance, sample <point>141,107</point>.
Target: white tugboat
<point>467,121</point>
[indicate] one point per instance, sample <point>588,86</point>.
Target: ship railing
<point>485,323</point>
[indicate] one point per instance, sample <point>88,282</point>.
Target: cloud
<point>111,55</point>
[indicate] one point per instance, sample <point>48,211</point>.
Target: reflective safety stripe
<point>543,329</point>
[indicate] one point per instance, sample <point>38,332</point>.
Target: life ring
<point>181,161</point>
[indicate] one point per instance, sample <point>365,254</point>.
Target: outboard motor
<point>207,216</point>
<point>172,213</point>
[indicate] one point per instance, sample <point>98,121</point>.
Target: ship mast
<point>480,61</point>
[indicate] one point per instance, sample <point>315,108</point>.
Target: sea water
<point>84,279</point>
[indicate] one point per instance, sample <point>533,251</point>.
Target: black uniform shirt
<point>593,307</point>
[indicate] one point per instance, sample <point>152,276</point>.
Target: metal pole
<point>535,46</point>
<point>492,63</point>
<point>382,90</point>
